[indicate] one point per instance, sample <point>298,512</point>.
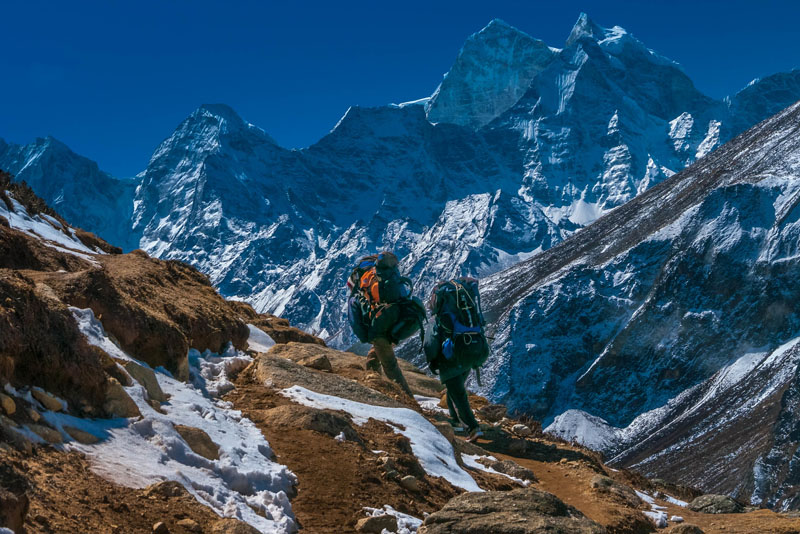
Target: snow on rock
<point>471,460</point>
<point>46,229</point>
<point>711,140</point>
<point>434,452</point>
<point>430,404</point>
<point>406,524</point>
<point>259,340</point>
<point>244,483</point>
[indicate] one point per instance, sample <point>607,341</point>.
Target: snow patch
<point>259,340</point>
<point>434,452</point>
<point>244,483</point>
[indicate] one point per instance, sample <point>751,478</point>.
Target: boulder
<point>518,447</point>
<point>81,436</point>
<point>277,370</point>
<point>13,509</point>
<point>521,511</point>
<point>118,402</point>
<point>19,440</point>
<point>715,504</point>
<point>147,378</point>
<point>34,415</point>
<point>47,400</point>
<point>160,528</point>
<point>46,433</point>
<point>115,370</point>
<point>493,413</point>
<point>410,483</point>
<point>684,529</point>
<point>232,526</point>
<point>377,524</point>
<point>199,441</point>
<point>293,416</point>
<point>165,490</point>
<point>319,362</point>
<point>40,342</point>
<point>618,492</point>
<point>190,524</point>
<point>8,404</point>
<point>521,430</point>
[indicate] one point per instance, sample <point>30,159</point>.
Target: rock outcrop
<point>522,511</point>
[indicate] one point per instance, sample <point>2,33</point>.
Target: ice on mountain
<point>680,131</point>
<point>711,141</point>
<point>493,70</point>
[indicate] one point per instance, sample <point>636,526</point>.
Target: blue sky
<point>112,79</point>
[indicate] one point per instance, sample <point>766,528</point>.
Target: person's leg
<point>458,393</point>
<point>451,407</point>
<point>385,353</point>
<point>373,364</point>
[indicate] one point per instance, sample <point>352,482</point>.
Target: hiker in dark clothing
<point>382,311</point>
<point>455,344</point>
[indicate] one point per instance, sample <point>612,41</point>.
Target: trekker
<point>382,311</point>
<point>455,344</point>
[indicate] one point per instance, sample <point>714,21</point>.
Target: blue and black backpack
<point>380,302</point>
<point>457,338</point>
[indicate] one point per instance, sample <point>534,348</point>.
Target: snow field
<point>137,453</point>
<point>434,452</point>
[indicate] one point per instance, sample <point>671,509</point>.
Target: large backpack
<point>456,339</point>
<point>380,302</point>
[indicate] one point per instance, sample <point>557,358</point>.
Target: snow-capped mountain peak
<point>586,28</point>
<point>492,71</point>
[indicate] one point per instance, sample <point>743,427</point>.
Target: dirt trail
<point>337,479</point>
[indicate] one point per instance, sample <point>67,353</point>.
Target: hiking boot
<point>457,426</point>
<point>474,434</point>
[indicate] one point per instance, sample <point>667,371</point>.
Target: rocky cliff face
<point>672,320</point>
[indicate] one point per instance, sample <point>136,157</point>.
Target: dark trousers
<point>458,401</point>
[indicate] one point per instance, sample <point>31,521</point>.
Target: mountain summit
<point>493,70</point>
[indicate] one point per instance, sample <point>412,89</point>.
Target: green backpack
<point>456,340</point>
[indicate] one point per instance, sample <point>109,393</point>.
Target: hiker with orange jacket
<point>382,311</point>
